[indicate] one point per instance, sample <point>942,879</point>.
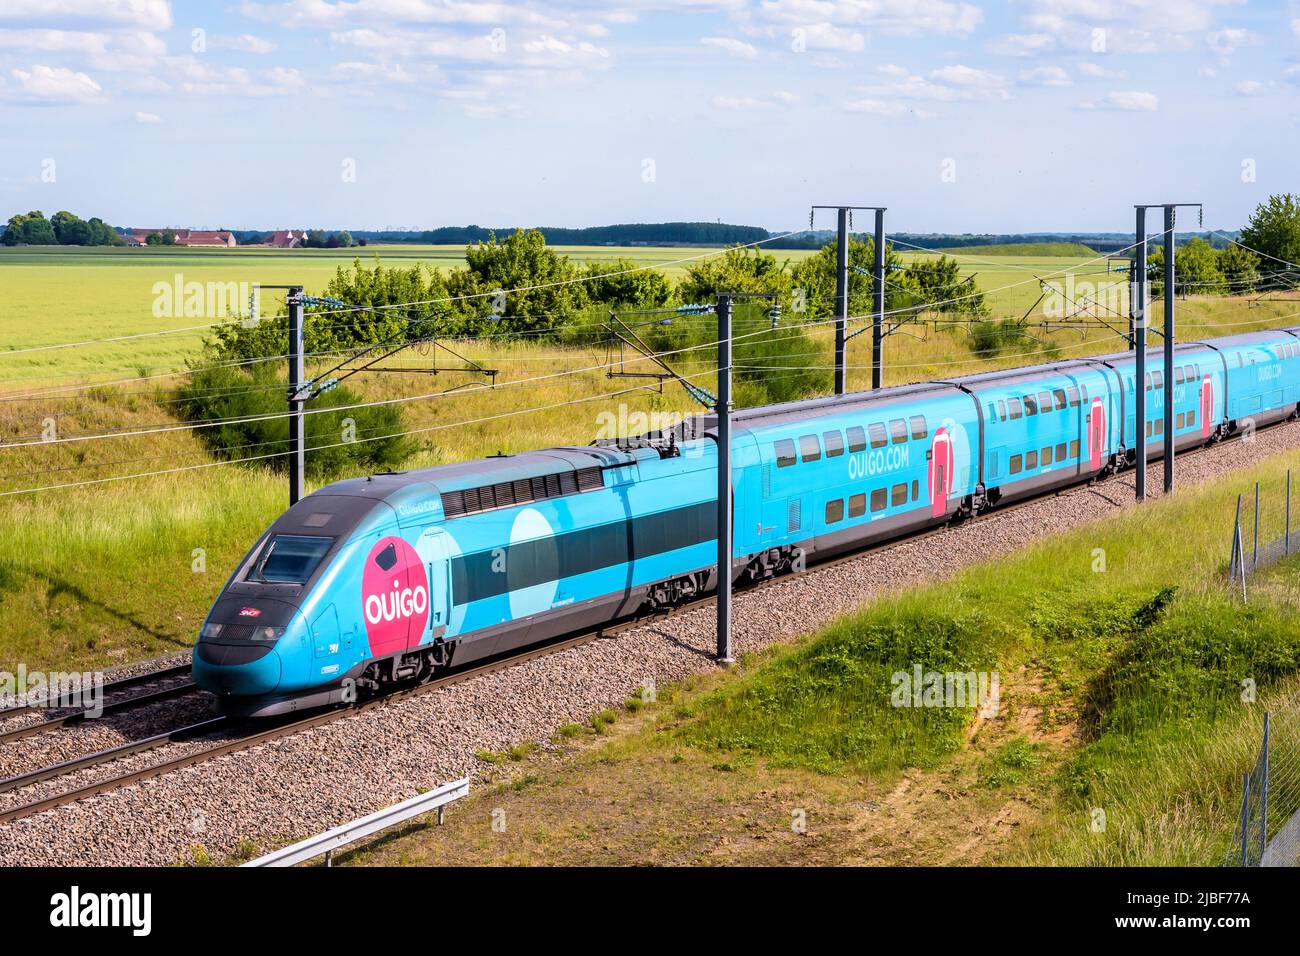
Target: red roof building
<point>187,237</point>
<point>287,239</point>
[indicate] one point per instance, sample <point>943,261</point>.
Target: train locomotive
<point>376,581</point>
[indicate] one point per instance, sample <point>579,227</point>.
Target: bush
<point>223,392</point>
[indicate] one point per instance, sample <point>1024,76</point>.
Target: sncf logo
<point>394,596</point>
<point>249,612</point>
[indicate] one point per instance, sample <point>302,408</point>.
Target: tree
<point>1197,271</point>
<point>737,270</point>
<point>1274,231</point>
<point>816,277</point>
<point>165,238</point>
<point>624,282</point>
<point>936,283</point>
<point>346,240</point>
<point>70,230</point>
<point>37,231</point>
<point>1240,269</point>
<point>547,282</point>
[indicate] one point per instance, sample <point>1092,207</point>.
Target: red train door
<point>1207,405</point>
<point>940,472</point>
<point>1096,434</point>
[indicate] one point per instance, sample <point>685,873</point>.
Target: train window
<point>898,495</point>
<point>1148,429</point>
<point>1178,375</point>
<point>1031,460</point>
<point>993,413</point>
<point>1002,410</point>
<point>857,439</point>
<point>1160,426</point>
<point>1180,421</point>
<point>1074,448</point>
<point>1074,396</point>
<point>898,431</point>
<point>1044,402</point>
<point>785,456</point>
<point>1016,464</point>
<point>1083,389</point>
<point>879,499</point>
<point>1191,418</point>
<point>857,506</point>
<point>1059,395</point>
<point>1158,379</point>
<point>1013,405</point>
<point>879,437</point>
<point>292,558</point>
<point>835,511</point>
<point>1148,379</point>
<point>918,426</point>
<point>916,490</point>
<point>1060,452</point>
<point>1031,406</point>
<point>834,444</point>
<point>809,448</point>
<point>1046,456</point>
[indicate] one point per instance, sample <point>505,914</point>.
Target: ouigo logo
<point>395,596</point>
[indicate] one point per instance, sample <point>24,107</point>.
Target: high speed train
<point>375,581</point>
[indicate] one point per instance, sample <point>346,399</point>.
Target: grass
<point>1120,740</point>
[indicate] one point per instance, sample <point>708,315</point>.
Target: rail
<point>329,841</point>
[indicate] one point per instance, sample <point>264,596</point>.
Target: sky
<point>1026,115</point>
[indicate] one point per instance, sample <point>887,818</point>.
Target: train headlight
<point>268,633</point>
<point>210,632</point>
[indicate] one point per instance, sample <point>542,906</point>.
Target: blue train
<point>390,578</point>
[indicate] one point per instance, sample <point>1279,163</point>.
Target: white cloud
<point>48,84</point>
<point>54,41</point>
<point>559,48</point>
<point>1126,100</point>
<point>1088,68</point>
<point>733,46</point>
<point>148,118</point>
<point>1226,42</point>
<point>244,43</point>
<point>900,17</point>
<point>959,75</point>
<point>827,36</point>
<point>149,14</point>
<point>947,84</point>
<point>1023,44</point>
<point>1046,76</point>
<point>1250,87</point>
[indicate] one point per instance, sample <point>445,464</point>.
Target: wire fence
<point>1268,825</point>
<point>1263,532</point>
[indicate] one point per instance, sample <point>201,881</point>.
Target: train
<point>373,582</point>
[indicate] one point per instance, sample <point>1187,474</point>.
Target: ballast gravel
<point>300,785</point>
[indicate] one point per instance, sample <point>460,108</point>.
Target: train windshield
<point>290,559</point>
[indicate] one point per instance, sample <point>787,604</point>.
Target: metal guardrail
<point>329,841</point>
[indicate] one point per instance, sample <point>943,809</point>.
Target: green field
<point>59,295</point>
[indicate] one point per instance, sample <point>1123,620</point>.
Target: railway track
<point>247,737</point>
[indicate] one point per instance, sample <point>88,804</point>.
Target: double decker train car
<point>375,581</point>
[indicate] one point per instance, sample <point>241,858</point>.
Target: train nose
<point>236,667</point>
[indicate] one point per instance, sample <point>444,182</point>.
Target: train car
<point>375,581</point>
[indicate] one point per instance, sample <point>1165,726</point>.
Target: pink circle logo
<point>394,596</point>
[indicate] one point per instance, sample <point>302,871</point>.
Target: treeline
<point>61,229</point>
<point>644,233</point>
<point>519,284</point>
<point>1234,269</point>
<point>316,239</point>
